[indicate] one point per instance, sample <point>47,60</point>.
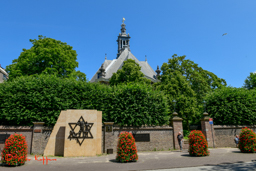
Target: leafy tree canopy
<point>250,81</point>
<point>178,88</point>
<point>46,56</point>
<point>187,83</point>
<point>130,72</point>
<point>200,80</point>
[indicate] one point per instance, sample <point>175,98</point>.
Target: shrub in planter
<point>247,141</point>
<point>15,150</point>
<point>126,148</point>
<point>198,145</point>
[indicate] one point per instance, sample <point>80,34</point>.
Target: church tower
<point>109,67</point>
<point>123,40</point>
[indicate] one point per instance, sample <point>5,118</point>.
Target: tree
<point>250,81</point>
<point>46,56</point>
<point>130,72</point>
<point>188,84</point>
<point>176,87</point>
<point>201,81</point>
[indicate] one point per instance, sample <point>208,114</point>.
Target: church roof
<point>111,66</point>
<point>2,70</point>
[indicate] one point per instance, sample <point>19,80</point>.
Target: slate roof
<point>2,70</point>
<point>111,66</point>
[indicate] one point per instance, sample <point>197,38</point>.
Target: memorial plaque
<point>108,128</point>
<point>3,137</point>
<point>37,130</point>
<point>84,131</point>
<point>141,137</point>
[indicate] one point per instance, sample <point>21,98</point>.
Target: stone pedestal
<point>109,138</point>
<point>37,140</point>
<point>60,144</point>
<point>207,130</point>
<point>177,127</point>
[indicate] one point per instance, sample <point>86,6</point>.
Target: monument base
<point>59,143</point>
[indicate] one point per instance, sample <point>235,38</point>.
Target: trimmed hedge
<point>41,98</point>
<point>232,106</point>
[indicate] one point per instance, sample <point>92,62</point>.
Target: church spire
<point>123,40</point>
<point>123,29</point>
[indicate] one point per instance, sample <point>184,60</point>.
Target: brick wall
<point>161,138</point>
<point>24,130</point>
<point>225,134</point>
<point>40,140</point>
<point>177,125</point>
<point>209,132</point>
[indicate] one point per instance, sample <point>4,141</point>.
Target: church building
<point>109,67</point>
<point>3,74</point>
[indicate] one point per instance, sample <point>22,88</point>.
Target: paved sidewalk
<point>248,166</point>
<point>147,161</point>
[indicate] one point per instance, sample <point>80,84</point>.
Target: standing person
<point>180,138</point>
<point>236,140</point>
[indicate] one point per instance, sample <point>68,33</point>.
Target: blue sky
<point>158,29</point>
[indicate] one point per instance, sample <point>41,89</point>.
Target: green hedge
<point>41,98</point>
<point>232,106</point>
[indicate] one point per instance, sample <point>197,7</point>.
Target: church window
<point>4,77</point>
<point>124,42</point>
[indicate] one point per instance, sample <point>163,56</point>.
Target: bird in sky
<point>224,34</point>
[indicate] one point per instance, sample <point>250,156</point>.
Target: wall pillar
<point>177,127</point>
<point>109,138</point>
<point>37,138</point>
<point>207,129</point>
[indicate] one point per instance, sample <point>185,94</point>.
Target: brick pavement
<point>147,161</point>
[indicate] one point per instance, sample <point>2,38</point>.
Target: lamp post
<point>204,102</point>
<point>174,104</point>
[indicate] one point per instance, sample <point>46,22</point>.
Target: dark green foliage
<point>250,81</point>
<point>232,106</point>
<point>46,56</point>
<point>187,83</point>
<point>130,72</point>
<point>175,86</point>
<point>138,104</point>
<point>41,98</point>
<point>200,80</point>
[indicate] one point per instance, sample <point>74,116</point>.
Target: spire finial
<point>146,58</point>
<point>123,29</point>
<point>158,71</point>
<point>102,72</point>
<point>105,56</point>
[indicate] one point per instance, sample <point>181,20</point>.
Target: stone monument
<point>76,133</point>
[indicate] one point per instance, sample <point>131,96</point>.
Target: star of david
<point>84,132</point>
